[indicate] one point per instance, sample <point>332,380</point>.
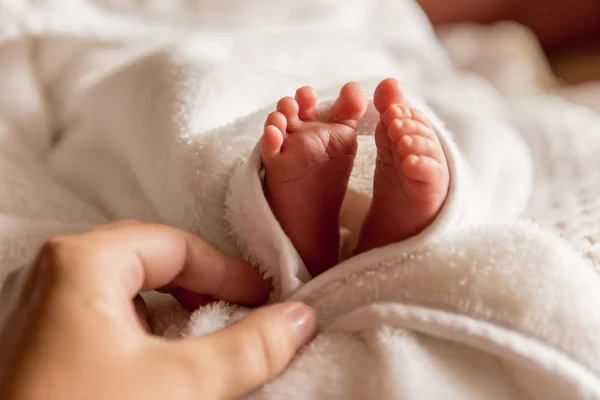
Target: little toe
<point>307,102</point>
<point>278,120</point>
<point>423,169</point>
<point>428,179</point>
<point>271,142</point>
<point>350,105</point>
<point>289,108</point>
<point>388,92</point>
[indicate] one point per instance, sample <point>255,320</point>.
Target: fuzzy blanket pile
<point>152,111</point>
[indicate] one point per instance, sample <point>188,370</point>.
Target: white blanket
<point>151,110</point>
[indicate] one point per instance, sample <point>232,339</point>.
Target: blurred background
<point>568,30</point>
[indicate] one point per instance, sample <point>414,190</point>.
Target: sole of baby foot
<point>411,176</point>
<point>307,162</point>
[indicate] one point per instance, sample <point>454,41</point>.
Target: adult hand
<point>69,329</point>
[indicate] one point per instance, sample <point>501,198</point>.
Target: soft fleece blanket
<point>152,110</point>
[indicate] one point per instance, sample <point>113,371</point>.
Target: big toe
<point>350,105</point>
<point>388,93</point>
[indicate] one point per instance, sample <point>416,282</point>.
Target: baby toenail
<point>408,141</point>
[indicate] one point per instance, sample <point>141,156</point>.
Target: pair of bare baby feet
<point>308,161</point>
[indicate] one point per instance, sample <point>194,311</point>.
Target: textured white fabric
<point>151,110</point>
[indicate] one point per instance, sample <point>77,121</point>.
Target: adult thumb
<point>252,351</point>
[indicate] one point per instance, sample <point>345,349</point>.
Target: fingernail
<point>303,320</point>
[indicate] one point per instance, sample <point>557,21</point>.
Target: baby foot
<point>411,176</point>
<point>307,165</point>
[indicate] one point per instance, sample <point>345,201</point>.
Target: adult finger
<point>11,284</point>
<point>247,354</point>
<point>133,257</point>
<point>9,291</point>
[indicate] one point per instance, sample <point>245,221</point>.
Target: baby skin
<point>308,160</point>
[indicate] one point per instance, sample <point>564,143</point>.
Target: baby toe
<point>417,145</point>
<point>428,179</point>
<point>289,108</point>
<point>278,120</point>
<point>402,127</point>
<point>307,102</point>
<point>394,112</point>
<point>271,142</point>
<point>350,105</point>
<point>387,93</point>
<point>424,169</point>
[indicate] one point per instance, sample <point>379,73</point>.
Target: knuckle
<point>263,356</point>
<point>272,348</point>
<point>56,253</point>
<point>55,247</point>
<point>11,280</point>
